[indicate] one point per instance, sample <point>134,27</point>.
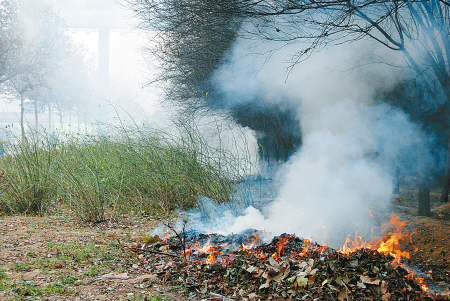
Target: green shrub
<point>132,170</point>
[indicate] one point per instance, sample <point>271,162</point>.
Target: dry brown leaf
<point>367,280</point>
<point>383,287</point>
<point>285,269</point>
<point>343,295</point>
<point>123,276</point>
<point>31,275</point>
<point>445,292</point>
<point>272,261</point>
<point>360,285</point>
<point>252,270</point>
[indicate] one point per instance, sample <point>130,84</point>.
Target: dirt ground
<point>57,258</point>
<point>77,262</point>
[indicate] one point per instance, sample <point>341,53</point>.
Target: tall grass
<point>134,169</point>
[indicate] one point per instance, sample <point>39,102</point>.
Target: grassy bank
<point>130,170</point>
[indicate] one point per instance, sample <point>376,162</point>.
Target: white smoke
<point>350,144</point>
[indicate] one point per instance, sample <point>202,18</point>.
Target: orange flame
<point>308,247</point>
<point>166,237</point>
<point>255,241</point>
<point>394,234</point>
<point>282,241</point>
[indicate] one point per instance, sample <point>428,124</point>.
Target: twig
<point>181,239</point>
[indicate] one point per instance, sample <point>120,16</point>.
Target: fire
<point>356,244</point>
<point>166,237</point>
<point>254,242</point>
<point>394,234</point>
<point>213,252</point>
<point>282,241</point>
<point>308,247</point>
<point>418,280</point>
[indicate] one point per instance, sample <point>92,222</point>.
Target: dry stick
<point>182,241</point>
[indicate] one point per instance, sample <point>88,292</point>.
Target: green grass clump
<point>130,170</point>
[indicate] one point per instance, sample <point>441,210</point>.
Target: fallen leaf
<point>445,292</point>
<point>383,287</point>
<point>343,295</point>
<point>302,280</point>
<point>360,285</point>
<point>353,263</point>
<point>386,297</point>
<point>272,261</point>
<point>285,269</point>
<point>251,269</point>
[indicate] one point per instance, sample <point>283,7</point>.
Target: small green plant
<point>93,271</point>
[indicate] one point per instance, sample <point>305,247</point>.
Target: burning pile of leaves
<point>287,268</point>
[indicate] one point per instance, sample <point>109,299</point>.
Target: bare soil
<point>85,261</point>
<point>58,258</point>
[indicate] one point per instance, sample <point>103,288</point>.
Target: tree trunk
<point>60,120</point>
<point>70,122</point>
<point>424,188</point>
<point>50,119</point>
<point>36,124</point>
<point>22,125</point>
<point>446,184</point>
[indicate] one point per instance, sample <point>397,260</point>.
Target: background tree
<point>43,59</point>
<point>10,41</point>
<point>193,38</point>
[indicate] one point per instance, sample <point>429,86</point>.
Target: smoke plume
<point>351,144</point>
